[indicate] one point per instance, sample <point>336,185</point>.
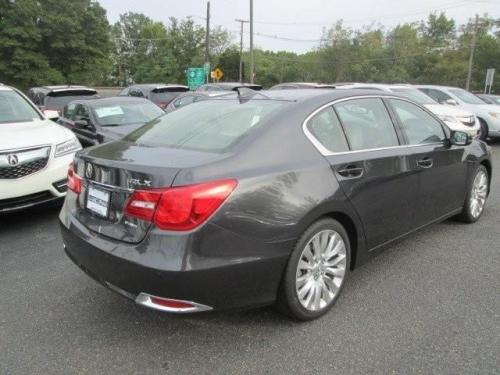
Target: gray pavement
<point>430,304</point>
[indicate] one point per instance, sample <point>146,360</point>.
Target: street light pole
<point>207,41</point>
<point>242,22</point>
<point>251,43</point>
<point>471,56</point>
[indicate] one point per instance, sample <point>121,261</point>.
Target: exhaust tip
<point>170,305</point>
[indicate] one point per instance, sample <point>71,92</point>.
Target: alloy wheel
<point>321,270</point>
<point>478,194</point>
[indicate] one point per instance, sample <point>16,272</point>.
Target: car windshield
<point>113,114</point>
<point>414,94</point>
<point>59,102</point>
<point>466,96</point>
<point>212,125</point>
<point>14,108</point>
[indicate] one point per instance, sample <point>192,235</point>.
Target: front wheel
<point>476,196</point>
<point>316,271</point>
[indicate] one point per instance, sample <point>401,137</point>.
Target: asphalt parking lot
<point>429,304</point>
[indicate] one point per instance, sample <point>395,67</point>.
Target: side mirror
<point>460,138</point>
<point>82,123</point>
<point>450,102</point>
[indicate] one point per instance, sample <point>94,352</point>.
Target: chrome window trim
<point>326,152</point>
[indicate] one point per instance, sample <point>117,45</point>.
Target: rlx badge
<point>136,182</point>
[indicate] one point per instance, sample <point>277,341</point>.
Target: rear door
<point>372,168</point>
<point>441,168</point>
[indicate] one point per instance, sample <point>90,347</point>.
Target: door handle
<point>351,171</point>
<point>425,162</point>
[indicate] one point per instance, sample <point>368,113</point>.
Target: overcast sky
<point>278,21</point>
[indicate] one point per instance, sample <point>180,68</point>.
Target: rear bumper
<point>215,283</point>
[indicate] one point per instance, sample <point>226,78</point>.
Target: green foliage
<point>53,41</point>
<point>61,41</point>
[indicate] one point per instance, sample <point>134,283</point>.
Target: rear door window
<point>418,126</point>
<point>367,123</point>
<point>326,128</point>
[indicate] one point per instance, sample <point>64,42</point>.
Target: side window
<point>186,100</point>
<point>367,123</point>
<point>419,126</point>
<point>136,92</point>
<point>437,95</point>
<point>81,112</point>
<point>326,128</point>
<point>69,111</point>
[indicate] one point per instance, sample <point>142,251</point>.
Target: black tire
<point>466,215</point>
<point>288,301</point>
<point>483,131</point>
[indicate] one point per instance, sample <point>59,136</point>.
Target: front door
<point>441,168</point>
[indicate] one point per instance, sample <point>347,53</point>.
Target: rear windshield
<point>14,108</point>
<point>212,125</point>
<point>59,102</point>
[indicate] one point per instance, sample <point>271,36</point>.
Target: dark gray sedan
<point>265,198</point>
<point>103,120</point>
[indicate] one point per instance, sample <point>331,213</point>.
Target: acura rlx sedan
<point>34,154</point>
<point>263,198</point>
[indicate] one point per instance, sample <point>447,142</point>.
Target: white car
<point>34,154</point>
<point>456,118</point>
<point>488,114</point>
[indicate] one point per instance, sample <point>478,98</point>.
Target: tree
<point>53,41</point>
<point>143,53</point>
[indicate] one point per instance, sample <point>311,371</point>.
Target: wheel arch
<point>350,223</point>
<point>487,164</point>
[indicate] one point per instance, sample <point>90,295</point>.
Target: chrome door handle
<point>425,162</point>
<point>351,171</point>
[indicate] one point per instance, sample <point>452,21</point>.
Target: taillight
<point>74,181</point>
<point>179,208</point>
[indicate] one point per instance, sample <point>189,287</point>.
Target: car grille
<point>27,162</point>
<point>469,121</point>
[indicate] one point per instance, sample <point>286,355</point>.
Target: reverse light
<point>74,181</point>
<point>179,208</point>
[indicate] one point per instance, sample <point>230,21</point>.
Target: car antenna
<point>245,93</point>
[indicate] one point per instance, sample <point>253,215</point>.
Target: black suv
<point>52,99</point>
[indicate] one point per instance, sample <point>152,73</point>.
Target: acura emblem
<point>12,159</point>
<point>89,170</point>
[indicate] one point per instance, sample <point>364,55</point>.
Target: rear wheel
<point>316,271</point>
<point>483,130</point>
<point>476,196</point>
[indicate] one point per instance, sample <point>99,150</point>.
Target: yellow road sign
<point>217,74</point>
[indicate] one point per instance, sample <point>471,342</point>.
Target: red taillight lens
<point>74,181</point>
<point>180,208</point>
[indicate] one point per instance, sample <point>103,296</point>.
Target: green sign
<point>195,77</point>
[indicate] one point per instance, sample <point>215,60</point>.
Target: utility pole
<point>207,42</point>
<point>472,50</point>
<point>242,22</point>
<point>252,67</point>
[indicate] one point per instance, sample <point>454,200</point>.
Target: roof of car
<point>113,100</point>
<point>62,88</point>
<point>439,87</point>
<point>306,84</point>
<point>153,86</point>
